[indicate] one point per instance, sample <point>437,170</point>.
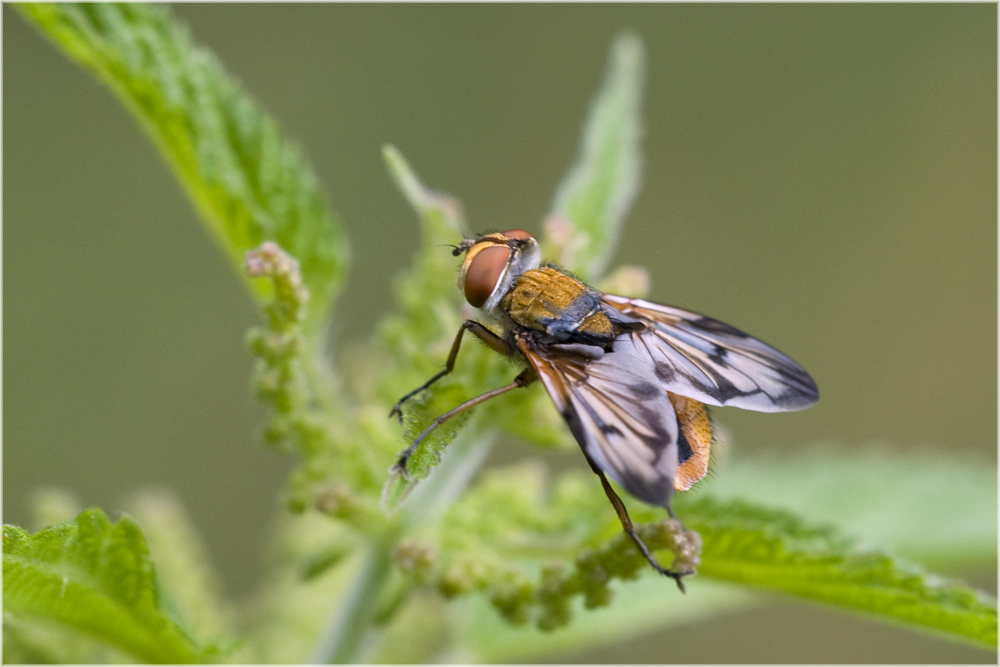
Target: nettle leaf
<point>248,182</point>
<point>777,550</point>
<point>591,202</point>
<point>182,563</point>
<point>941,513</point>
<point>95,578</point>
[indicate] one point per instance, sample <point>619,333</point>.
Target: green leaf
<point>938,512</point>
<point>95,578</point>
<point>183,568</point>
<point>594,197</point>
<point>775,550</point>
<point>247,181</point>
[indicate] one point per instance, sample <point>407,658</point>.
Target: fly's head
<point>492,264</point>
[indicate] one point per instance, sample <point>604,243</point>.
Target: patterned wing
<point>704,359</point>
<point>617,410</point>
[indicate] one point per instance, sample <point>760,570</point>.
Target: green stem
<point>350,630</point>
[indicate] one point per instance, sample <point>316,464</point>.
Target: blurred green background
<point>822,176</point>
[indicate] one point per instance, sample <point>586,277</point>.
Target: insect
<point>631,378</point>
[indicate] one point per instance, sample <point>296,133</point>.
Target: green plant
<point>497,555</point>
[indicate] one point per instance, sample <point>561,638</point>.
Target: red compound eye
<point>484,272</point>
<point>518,234</point>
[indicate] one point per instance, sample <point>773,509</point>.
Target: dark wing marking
<point>617,410</point>
<point>712,362</point>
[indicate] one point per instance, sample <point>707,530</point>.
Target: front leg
<point>526,377</point>
<point>482,333</point>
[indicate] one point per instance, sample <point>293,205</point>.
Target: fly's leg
<point>630,530</point>
<point>481,332</point>
<point>526,377</point>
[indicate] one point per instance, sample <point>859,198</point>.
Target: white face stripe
<point>523,258</point>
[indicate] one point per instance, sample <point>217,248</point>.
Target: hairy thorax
<point>550,301</point>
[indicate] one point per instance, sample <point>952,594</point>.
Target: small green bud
<point>454,582</point>
<point>415,558</point>
<point>336,500</point>
<point>512,605</point>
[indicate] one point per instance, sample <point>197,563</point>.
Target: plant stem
<point>350,626</point>
<point>350,629</point>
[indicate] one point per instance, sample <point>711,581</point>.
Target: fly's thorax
<point>492,265</point>
<point>548,300</point>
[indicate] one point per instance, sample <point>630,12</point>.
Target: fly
<point>630,377</point>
